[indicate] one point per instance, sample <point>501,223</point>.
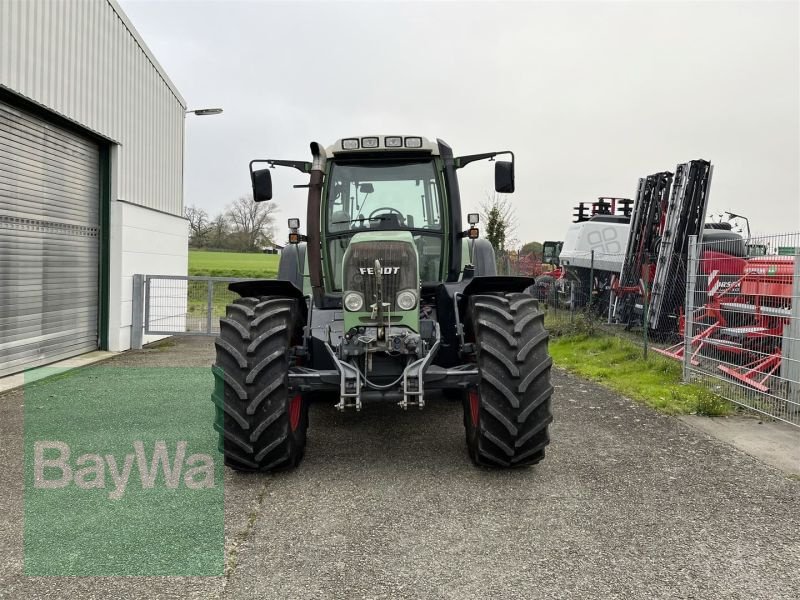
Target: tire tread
<point>515,393</point>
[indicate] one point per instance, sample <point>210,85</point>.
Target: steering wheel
<point>387,209</point>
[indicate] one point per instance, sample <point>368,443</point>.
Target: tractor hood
<point>396,272</point>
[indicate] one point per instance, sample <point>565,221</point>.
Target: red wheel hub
<point>474,406</point>
<point>295,404</point>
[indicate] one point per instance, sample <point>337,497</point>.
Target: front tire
<point>261,426</point>
<point>507,416</point>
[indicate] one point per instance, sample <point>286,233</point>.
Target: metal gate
<point>178,305</point>
<point>49,242</point>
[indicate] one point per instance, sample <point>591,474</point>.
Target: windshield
<point>384,196</point>
<point>377,195</point>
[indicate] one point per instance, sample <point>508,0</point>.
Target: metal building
<point>91,168</point>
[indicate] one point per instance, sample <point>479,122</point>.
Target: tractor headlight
<point>406,300</point>
<point>353,301</point>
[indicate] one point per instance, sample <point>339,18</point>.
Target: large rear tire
<point>262,427</point>
<point>508,415</point>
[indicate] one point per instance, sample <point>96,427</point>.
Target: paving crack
<point>241,537</point>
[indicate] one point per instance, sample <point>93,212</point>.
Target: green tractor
<point>388,298</point>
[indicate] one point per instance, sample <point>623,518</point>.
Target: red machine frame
<point>763,290</point>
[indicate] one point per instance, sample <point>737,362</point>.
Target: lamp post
<point>202,112</point>
<point>746,220</point>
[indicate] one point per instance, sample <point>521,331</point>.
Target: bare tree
<point>252,222</point>
<point>199,225</point>
<point>219,228</point>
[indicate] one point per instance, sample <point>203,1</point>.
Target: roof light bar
<point>350,144</point>
<point>369,142</point>
<point>394,141</point>
<point>413,142</point>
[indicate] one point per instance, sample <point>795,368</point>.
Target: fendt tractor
<point>386,298</point>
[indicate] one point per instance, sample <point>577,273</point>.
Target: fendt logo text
<point>89,470</point>
<point>384,270</point>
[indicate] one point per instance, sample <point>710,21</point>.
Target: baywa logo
<point>54,469</point>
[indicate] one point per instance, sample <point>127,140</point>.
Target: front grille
<point>398,260</point>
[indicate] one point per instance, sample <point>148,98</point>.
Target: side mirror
<point>504,177</point>
<point>262,185</point>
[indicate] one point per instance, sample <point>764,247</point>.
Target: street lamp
<point>201,112</point>
<point>746,220</point>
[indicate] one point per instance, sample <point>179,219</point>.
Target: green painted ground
<point>233,264</point>
<point>84,523</point>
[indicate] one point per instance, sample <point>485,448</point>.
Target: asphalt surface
<point>627,504</point>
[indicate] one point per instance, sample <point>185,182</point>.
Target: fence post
<point>591,280</point>
<point>572,302</point>
<point>688,305</point>
<point>645,315</point>
<point>790,365</point>
<point>210,314</point>
<point>137,312</point>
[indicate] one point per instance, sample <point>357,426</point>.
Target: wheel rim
<point>474,406</point>
<point>295,404</point>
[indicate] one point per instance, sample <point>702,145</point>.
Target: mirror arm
<point>301,165</point>
<point>463,161</point>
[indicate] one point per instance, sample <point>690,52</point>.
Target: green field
<point>233,264</point>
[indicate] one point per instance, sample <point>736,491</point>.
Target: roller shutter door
<point>49,242</point>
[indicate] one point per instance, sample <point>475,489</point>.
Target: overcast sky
<point>589,96</point>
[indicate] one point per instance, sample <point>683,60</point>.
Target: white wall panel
<point>84,60</point>
<point>142,241</point>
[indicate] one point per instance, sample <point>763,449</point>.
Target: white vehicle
<point>594,251</point>
<point>599,242</point>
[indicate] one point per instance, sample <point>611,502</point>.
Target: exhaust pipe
<point>313,248</point>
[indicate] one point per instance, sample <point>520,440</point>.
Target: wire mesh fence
<point>185,305</point>
<point>588,290</point>
<point>742,326</point>
<point>729,310</point>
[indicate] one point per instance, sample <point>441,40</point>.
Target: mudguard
<point>270,287</point>
<point>496,283</point>
<point>446,306</point>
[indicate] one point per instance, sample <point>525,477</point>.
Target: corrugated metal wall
<point>80,59</point>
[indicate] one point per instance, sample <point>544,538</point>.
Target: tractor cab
<point>401,193</point>
<point>550,252</point>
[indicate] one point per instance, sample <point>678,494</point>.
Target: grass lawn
<point>618,364</point>
<point>233,264</point>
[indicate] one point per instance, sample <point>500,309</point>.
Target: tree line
<point>243,226</point>
<point>247,226</point>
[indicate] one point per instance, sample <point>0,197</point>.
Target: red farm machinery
<point>631,261</point>
<point>744,311</point>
